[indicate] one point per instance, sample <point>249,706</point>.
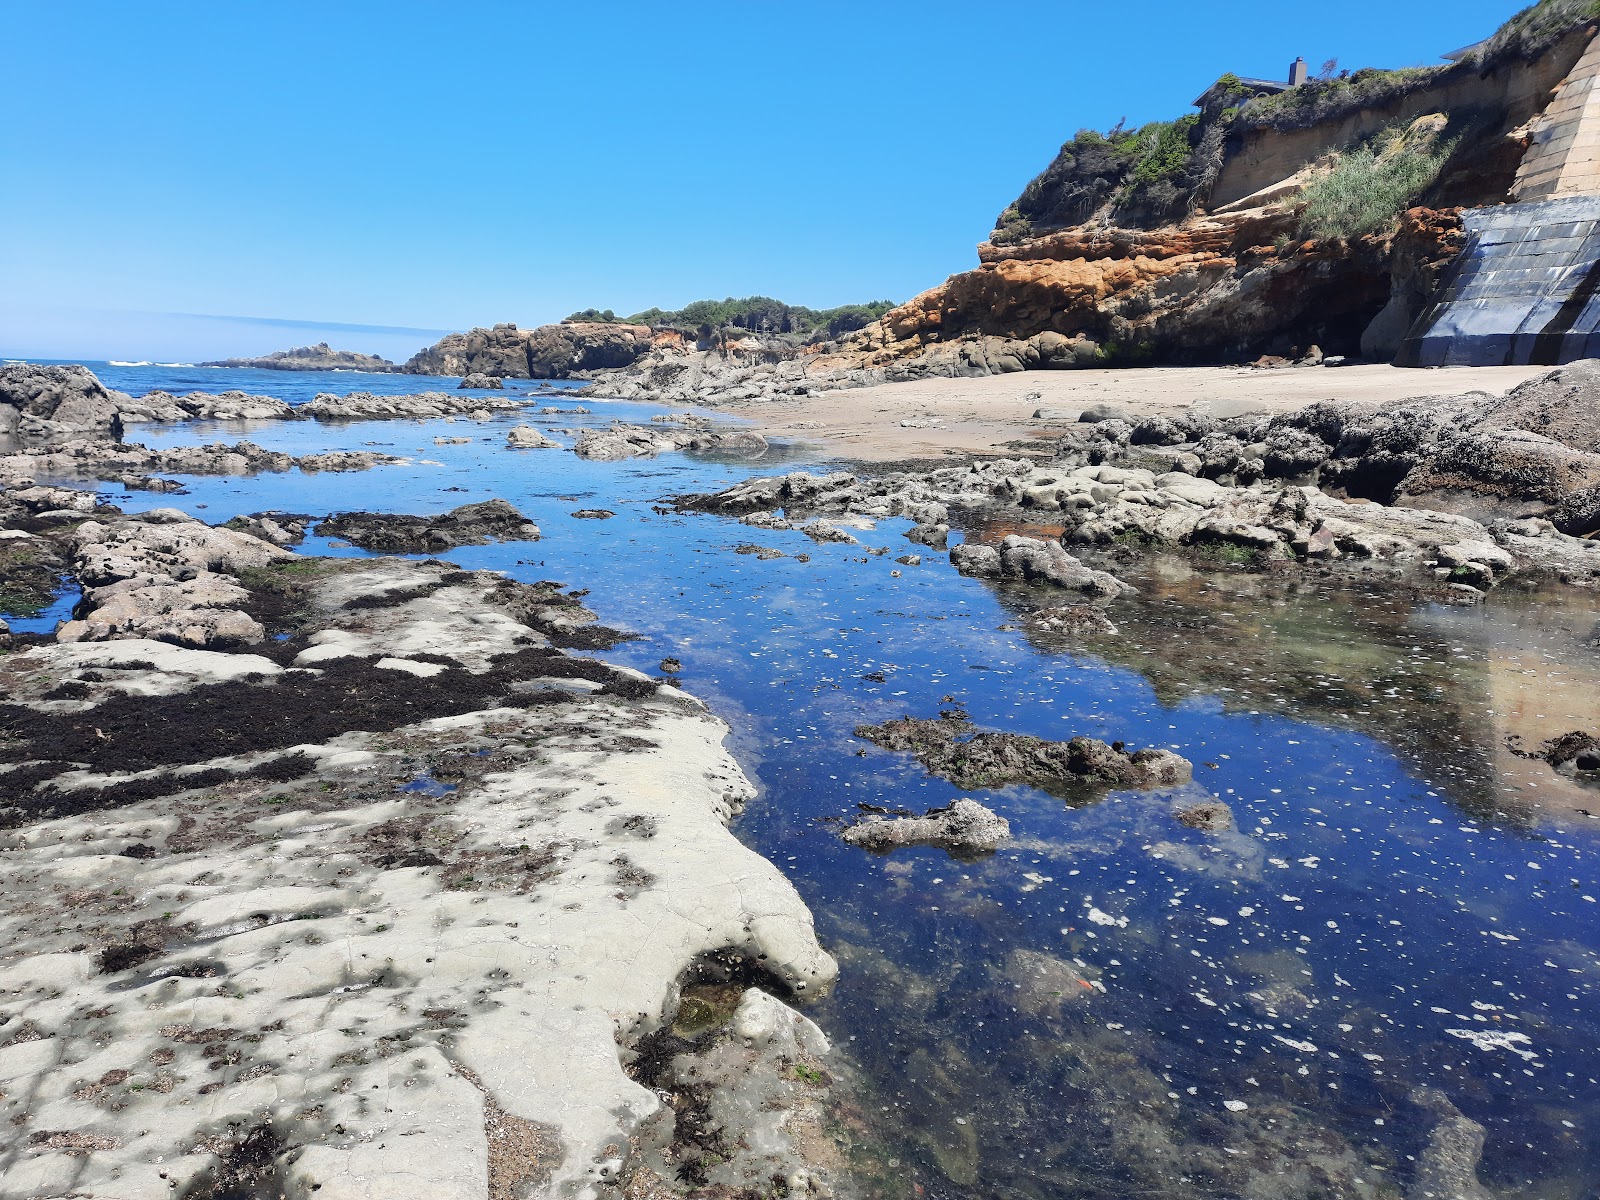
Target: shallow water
<point>1116,1004</point>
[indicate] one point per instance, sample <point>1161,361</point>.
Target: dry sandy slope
<point>977,415</point>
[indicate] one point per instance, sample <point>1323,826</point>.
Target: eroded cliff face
<point>1236,277</point>
<point>1225,288</point>
<point>548,352</point>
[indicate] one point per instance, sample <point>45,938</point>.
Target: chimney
<point>1298,72</point>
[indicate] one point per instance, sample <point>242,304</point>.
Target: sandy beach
<point>957,416</point>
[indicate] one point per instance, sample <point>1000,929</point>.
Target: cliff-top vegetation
<point>758,314</point>
<point>1159,172</point>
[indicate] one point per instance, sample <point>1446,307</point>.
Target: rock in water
<point>963,828</point>
<point>1033,560</point>
<point>321,357</point>
<point>948,747</point>
<point>478,381</point>
<point>469,525</point>
<point>1209,816</point>
<point>43,405</point>
<point>1447,1167</point>
<point>223,406</point>
<point>526,437</point>
<point>1570,753</point>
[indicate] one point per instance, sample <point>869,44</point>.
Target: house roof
<point>1270,86</point>
<point>1465,51</point>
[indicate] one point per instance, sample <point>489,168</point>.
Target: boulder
<point>1578,513</point>
<point>976,559</point>
<point>1036,561</point>
<point>1563,405</point>
<point>526,437</point>
<point>962,828</point>
<point>42,406</point>
<point>1095,413</point>
<point>478,381</point>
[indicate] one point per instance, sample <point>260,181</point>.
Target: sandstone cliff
<point>1199,240</point>
<point>320,357</point>
<point>548,352</point>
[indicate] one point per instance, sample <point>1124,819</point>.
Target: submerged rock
<point>758,1104</point>
<point>964,827</point>
<point>1210,816</point>
<point>948,747</point>
<point>395,533</point>
<point>1447,1168</point>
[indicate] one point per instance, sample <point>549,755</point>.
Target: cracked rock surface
<point>371,907</point>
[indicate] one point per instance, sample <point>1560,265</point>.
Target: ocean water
<point>1115,1004</point>
<point>296,387</point>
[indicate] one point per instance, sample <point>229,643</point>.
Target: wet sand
<point>964,416</point>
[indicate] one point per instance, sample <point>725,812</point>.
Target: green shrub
<point>1164,149</point>
<point>1536,28</point>
<point>1371,185</point>
<point>1319,100</point>
<point>590,314</point>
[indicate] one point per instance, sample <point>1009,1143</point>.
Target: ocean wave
<point>115,363</point>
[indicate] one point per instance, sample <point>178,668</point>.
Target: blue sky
<point>434,166</point>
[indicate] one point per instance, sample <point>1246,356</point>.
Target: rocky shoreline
<point>281,832</point>
<point>331,835</point>
<point>1456,492</point>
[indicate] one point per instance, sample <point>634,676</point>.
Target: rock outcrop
<point>1459,502</point>
<point>1032,560</point>
<point>548,352</point>
<point>480,382</point>
<point>320,357</point>
<point>41,406</point>
<point>644,441</point>
<point>950,747</point>
<point>206,406</point>
<point>396,533</point>
<point>964,828</point>
<point>164,576</point>
<point>365,406</point>
<point>246,885</point>
<point>137,466</point>
<point>526,437</point>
